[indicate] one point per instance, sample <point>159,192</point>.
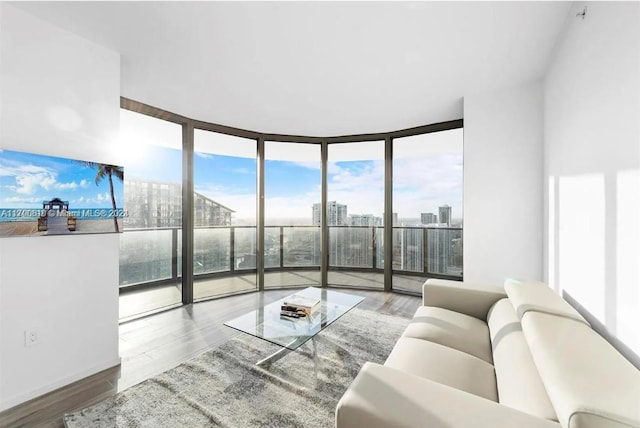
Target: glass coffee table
<point>290,333</point>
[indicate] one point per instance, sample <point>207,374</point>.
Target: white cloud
<point>246,171</point>
<point>242,202</point>
<point>29,178</point>
<point>420,185</point>
<point>28,183</point>
<point>279,209</point>
<point>67,186</point>
<point>423,184</point>
<point>333,168</point>
<point>102,197</point>
<point>72,185</point>
<point>360,187</point>
<point>22,200</point>
<point>309,165</point>
<point>99,199</point>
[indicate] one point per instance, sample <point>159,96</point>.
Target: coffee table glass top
<point>267,323</point>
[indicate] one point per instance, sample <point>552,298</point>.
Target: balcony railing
<point>154,255</point>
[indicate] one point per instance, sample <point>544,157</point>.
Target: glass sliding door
<point>224,215</point>
<point>150,278</point>
<point>292,230</point>
<point>427,208</point>
<point>355,195</point>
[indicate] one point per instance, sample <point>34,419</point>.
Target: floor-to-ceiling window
<point>355,211</point>
<point>292,179</point>
<point>422,189</point>
<point>149,246</point>
<point>427,208</point>
<point>224,214</point>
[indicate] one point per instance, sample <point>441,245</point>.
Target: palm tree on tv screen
<point>109,171</point>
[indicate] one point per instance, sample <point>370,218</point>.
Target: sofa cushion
<point>463,297</point>
<point>453,329</point>
<point>537,296</point>
<point>518,381</point>
<point>589,383</point>
<point>382,397</point>
<point>445,365</point>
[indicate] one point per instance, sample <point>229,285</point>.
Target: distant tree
<point>109,171</point>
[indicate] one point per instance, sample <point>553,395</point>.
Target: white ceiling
<point>316,68</point>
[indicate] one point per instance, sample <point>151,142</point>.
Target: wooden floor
<point>146,301</point>
<point>153,344</point>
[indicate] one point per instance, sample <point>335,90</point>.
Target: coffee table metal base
<point>285,351</point>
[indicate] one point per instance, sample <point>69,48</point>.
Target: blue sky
<point>26,180</point>
<point>422,182</point>
<point>291,189</point>
<point>427,171</point>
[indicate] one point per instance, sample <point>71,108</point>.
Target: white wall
<point>60,96</point>
<point>503,185</point>
<point>592,168</point>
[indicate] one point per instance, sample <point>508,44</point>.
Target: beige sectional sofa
<point>515,356</point>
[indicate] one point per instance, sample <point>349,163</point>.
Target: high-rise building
<point>445,251</point>
<point>353,246</point>
<point>207,212</point>
<point>428,218</point>
<point>336,214</point>
<point>445,214</point>
<point>365,220</point>
<point>408,249</point>
<point>350,247</point>
<point>152,204</point>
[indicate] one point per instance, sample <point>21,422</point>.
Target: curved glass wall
<point>355,194</point>
<point>258,215</point>
<point>153,203</point>
<point>427,206</point>
<point>292,181</point>
<point>224,214</point>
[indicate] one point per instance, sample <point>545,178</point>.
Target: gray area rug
<point>224,388</point>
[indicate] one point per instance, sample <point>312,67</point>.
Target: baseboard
<point>22,398</point>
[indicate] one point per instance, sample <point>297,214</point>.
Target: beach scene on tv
<point>44,195</point>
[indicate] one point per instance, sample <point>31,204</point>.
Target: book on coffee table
<point>299,303</point>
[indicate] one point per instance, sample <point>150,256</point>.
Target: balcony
<point>225,260</point>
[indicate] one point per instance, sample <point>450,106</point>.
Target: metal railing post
<point>374,248</point>
<point>174,253</point>
<point>425,251</point>
<point>281,246</point>
<point>232,249</point>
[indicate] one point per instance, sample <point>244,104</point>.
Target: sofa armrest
<point>383,397</point>
<point>470,299</point>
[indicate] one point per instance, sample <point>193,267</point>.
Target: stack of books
<point>297,306</point>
